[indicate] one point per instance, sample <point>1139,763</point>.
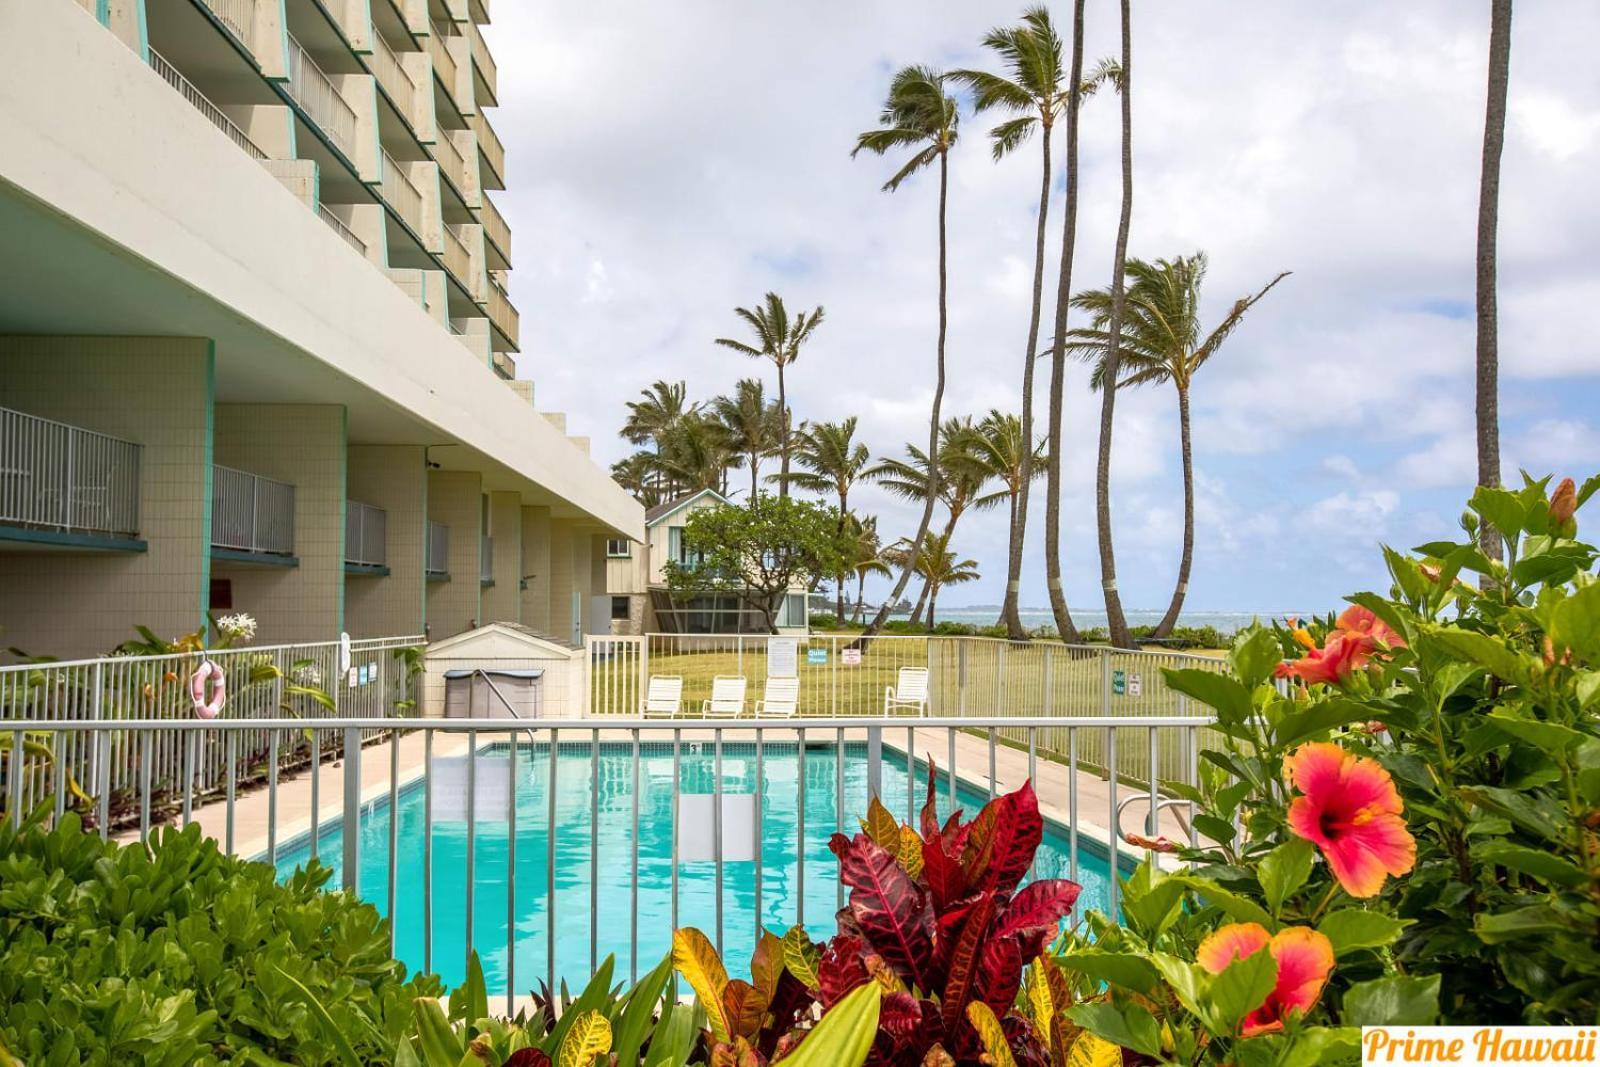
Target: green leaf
<point>1545,866</point>
<point>330,1030</point>
<point>1400,1000</point>
<point>1502,509</point>
<point>1189,983</point>
<point>1407,576</point>
<point>1230,699</point>
<point>440,1045</point>
<point>1535,920</point>
<point>1575,624</point>
<point>1132,1027</point>
<point>1493,655</point>
<point>1236,907</point>
<point>1548,736</point>
<point>844,1036</point>
<point>1255,655</point>
<point>1218,829</point>
<point>674,1038</point>
<point>1241,988</point>
<point>1533,816</point>
<point>1353,929</point>
<point>633,1025</point>
<point>1124,969</point>
<point>1319,718</point>
<point>1284,870</point>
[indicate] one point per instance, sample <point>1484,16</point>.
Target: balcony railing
<point>401,194</point>
<point>239,16</point>
<point>486,560</point>
<point>203,104</point>
<point>489,143</point>
<point>450,161</point>
<point>391,74</point>
<point>501,313</point>
<point>494,225</point>
<point>438,562</point>
<point>484,62</point>
<point>444,63</point>
<point>504,366</point>
<point>250,513</point>
<point>338,226</point>
<point>59,477</point>
<point>365,535</point>
<point>316,93</point>
<point>457,259</point>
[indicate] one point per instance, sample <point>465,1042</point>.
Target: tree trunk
<point>783,438</point>
<point>1494,136</point>
<point>915,555</point>
<point>1115,622</point>
<point>861,596</point>
<point>1170,619</point>
<point>922,605</point>
<point>933,604</point>
<point>755,474</point>
<point>1058,347</point>
<point>1019,515</point>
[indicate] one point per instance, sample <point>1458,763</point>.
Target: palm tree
<point>696,454</point>
<point>919,115</point>
<point>778,338</point>
<point>867,557</point>
<point>960,484</point>
<point>1116,622</point>
<point>1161,342</point>
<point>1058,353</point>
<point>652,417</point>
<point>1488,347</point>
<point>1032,91</point>
<point>939,568</point>
<point>752,423</point>
<point>996,448</point>
<point>834,462</point>
<point>635,474</point>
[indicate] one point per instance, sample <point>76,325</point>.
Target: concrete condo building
<point>256,352</point>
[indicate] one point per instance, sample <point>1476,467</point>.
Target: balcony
<point>454,167</point>
<point>251,515</point>
<point>438,561</point>
<point>484,66</point>
<point>402,194</point>
<point>63,484</point>
<point>203,104</point>
<point>444,61</point>
<point>501,313</point>
<point>314,92</point>
<point>345,233</point>
<point>239,16</point>
<point>495,228</point>
<point>504,366</point>
<point>365,538</point>
<point>486,560</point>
<point>392,76</point>
<point>490,147</point>
<point>458,261</point>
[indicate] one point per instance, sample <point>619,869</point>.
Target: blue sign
<point>817,657</point>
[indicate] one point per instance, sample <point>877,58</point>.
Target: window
<point>619,548</point>
<point>619,608</point>
<point>792,612</point>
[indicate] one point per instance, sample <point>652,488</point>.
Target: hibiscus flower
<point>1350,809</point>
<point>1304,957</point>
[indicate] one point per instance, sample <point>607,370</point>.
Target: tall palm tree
<point>1116,622</point>
<point>779,338</point>
<point>996,448</point>
<point>1058,353</point>
<point>939,567</point>
<point>919,115</point>
<point>959,483</point>
<point>834,462</point>
<point>1488,346</point>
<point>1032,90</point>
<point>654,415</point>
<point>752,422</point>
<point>636,475</point>
<point>696,454</point>
<point>867,557</point>
<point>1161,342</point>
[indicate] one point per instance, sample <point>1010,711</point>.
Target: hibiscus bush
<point>1399,824</point>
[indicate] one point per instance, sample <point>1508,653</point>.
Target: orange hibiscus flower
<point>1304,959</point>
<point>1349,808</point>
<point>1357,636</point>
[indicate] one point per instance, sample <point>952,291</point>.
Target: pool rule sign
<point>783,654</point>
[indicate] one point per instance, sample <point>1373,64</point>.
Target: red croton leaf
<point>744,1007</point>
<point>900,1016</point>
<point>1026,1047</point>
<point>527,1057</point>
<point>789,1002</point>
<point>840,969</point>
<point>1004,837</point>
<point>999,974</point>
<point>766,964</point>
<point>963,969</point>
<point>1035,913</point>
<point>942,873</point>
<point>890,908</point>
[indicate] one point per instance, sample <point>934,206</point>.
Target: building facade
<point>256,352</point>
<point>637,596</point>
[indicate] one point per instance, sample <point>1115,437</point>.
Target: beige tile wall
<point>502,601</point>
<point>455,499</point>
<point>395,478</point>
<point>303,444</point>
<point>562,579</point>
<point>153,390</point>
<point>536,556</point>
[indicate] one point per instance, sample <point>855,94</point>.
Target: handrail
<point>58,476</point>
<point>251,513</point>
<point>341,229</point>
<point>392,75</point>
<point>402,193</point>
<point>316,93</point>
<point>202,103</point>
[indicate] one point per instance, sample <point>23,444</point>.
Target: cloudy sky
<point>671,161</point>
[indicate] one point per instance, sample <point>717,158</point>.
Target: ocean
<point>1225,621</point>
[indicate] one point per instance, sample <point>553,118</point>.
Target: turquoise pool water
<point>575,868</point>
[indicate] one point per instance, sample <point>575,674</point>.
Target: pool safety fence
<point>468,771</point>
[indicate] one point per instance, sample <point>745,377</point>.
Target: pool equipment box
<point>697,835</point>
<point>469,694</point>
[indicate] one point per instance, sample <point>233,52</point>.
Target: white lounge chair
<point>664,698</point>
<point>909,694</point>
<point>781,699</point>
<point>727,697</point>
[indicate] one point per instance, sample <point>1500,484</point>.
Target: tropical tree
<point>866,556</point>
<point>636,474</point>
<point>779,338</point>
<point>696,454</point>
<point>995,447</point>
<point>921,116</point>
<point>1033,91</point>
<point>653,416</point>
<point>1116,622</point>
<point>834,462</point>
<point>1488,342</point>
<point>1161,343</point>
<point>939,567</point>
<point>753,424</point>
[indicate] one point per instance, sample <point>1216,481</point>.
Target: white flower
<point>240,627</point>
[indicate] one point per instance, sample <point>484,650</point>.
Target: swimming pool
<point>609,925</point>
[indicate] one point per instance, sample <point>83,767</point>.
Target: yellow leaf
<point>1040,1004</point>
<point>1092,1051</point>
<point>697,961</point>
<point>882,827</point>
<point>800,957</point>
<point>589,1038</point>
<point>910,856</point>
<point>991,1034</point>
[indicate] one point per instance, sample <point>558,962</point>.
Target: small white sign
<point>696,832</point>
<point>354,678</point>
<point>783,657</point>
<point>850,657</point>
<point>492,781</point>
<point>1135,685</point>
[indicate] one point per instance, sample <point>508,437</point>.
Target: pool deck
<point>1053,786</point>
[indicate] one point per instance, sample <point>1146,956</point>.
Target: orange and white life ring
<point>204,706</point>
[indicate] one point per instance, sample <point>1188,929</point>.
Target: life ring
<point>208,671</point>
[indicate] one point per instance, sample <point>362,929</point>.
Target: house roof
<point>654,515</point>
<point>514,629</point>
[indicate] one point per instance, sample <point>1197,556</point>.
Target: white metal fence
<point>61,477</point>
<point>365,534</point>
<point>345,233</point>
<point>239,16</point>
<point>251,513</point>
<point>316,93</point>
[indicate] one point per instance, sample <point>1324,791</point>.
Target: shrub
<point>178,954</point>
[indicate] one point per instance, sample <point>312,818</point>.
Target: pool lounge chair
<point>727,697</point>
<point>664,698</point>
<point>908,694</point>
<point>781,699</point>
